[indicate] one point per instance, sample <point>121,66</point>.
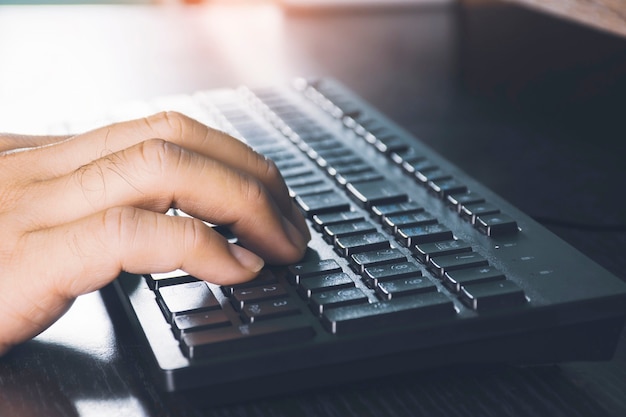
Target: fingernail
<point>247,259</point>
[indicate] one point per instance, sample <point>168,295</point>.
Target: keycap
<point>425,251</point>
<point>393,222</point>
<point>405,286</point>
<point>246,337</point>
<point>323,203</point>
<point>411,309</point>
<point>390,143</point>
<point>496,224</point>
<point>312,268</point>
<point>348,245</point>
<point>419,164</point>
<point>456,201</point>
<point>456,279</point>
<point>471,211</point>
<point>188,297</point>
<point>243,296</point>
<point>358,177</point>
<point>376,193</point>
<point>431,175</point>
<point>321,220</point>
<point>446,186</point>
<point>308,189</point>
<point>348,228</point>
<point>360,261</point>
<point>375,274</point>
<point>338,169</point>
<point>269,309</point>
<point>322,301</point>
<point>442,264</point>
<point>156,281</point>
<point>414,235</point>
<point>382,211</point>
<point>311,285</point>
<point>265,277</point>
<point>492,295</point>
<point>184,323</point>
<point>305,181</point>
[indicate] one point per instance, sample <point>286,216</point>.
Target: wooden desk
<point>69,61</point>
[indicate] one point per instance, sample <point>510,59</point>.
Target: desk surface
<point>437,71</point>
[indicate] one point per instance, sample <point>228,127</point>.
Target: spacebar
<point>358,318</point>
<point>245,337</point>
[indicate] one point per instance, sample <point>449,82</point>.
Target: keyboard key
<point>496,225</point>
<point>321,220</point>
<point>265,277</point>
<point>389,144</point>
<point>349,245</point>
<point>348,228</point>
<point>199,321</point>
<point>442,264</point>
<point>376,193</point>
<point>393,222</point>
<point>471,211</point>
<point>308,189</point>
<point>456,279</point>
<point>425,251</point>
<point>185,298</point>
<point>156,281</point>
<point>414,235</point>
<point>405,286</point>
<point>313,268</point>
<point>270,309</point>
<point>243,296</point>
<point>358,177</point>
<point>312,285</point>
<point>360,261</point>
<point>382,211</point>
<point>411,309</point>
<point>431,175</point>
<point>247,337</point>
<point>322,301</point>
<point>444,187</point>
<point>492,295</point>
<point>376,274</point>
<point>419,164</point>
<point>457,201</point>
<point>323,203</point>
<point>305,181</point>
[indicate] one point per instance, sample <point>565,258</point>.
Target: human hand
<point>77,211</point>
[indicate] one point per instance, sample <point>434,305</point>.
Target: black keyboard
<point>412,265</point>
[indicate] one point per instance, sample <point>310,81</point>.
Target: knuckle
<point>120,224</point>
<point>173,122</point>
<point>157,156</point>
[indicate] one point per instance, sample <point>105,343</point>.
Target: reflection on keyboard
<point>413,264</point>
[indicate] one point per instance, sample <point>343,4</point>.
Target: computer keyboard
<point>412,264</point>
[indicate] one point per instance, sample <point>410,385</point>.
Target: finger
<point>66,261</point>
<point>173,127</point>
<point>11,142</point>
<point>157,175</point>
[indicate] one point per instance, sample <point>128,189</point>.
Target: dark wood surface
<point>525,103</point>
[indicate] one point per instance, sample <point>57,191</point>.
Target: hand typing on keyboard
<point>76,211</point>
